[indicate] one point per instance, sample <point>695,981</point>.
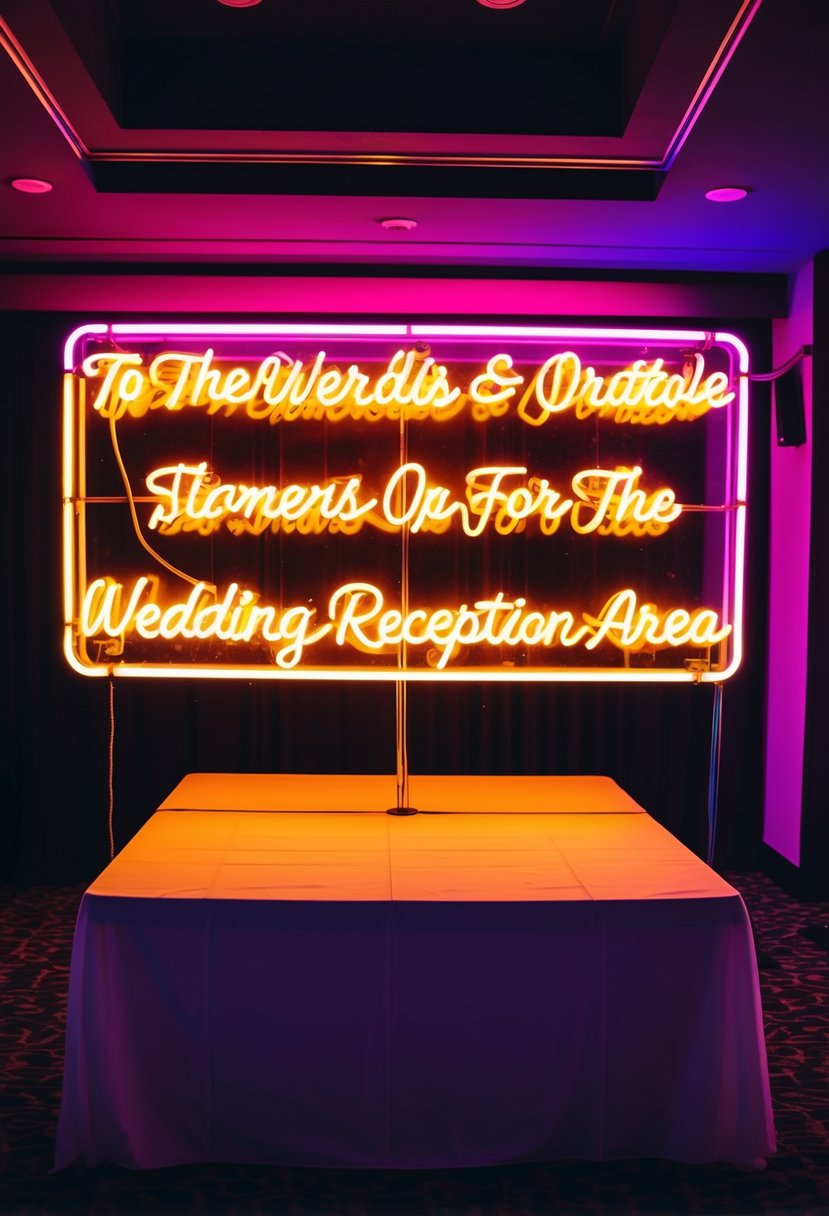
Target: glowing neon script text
<point>605,501</point>
<point>279,389</point>
<point>357,617</point>
<point>642,393</point>
<point>411,385</point>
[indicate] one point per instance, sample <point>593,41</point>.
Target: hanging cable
<point>134,514</point>
<point>111,765</point>
<point>797,357</point>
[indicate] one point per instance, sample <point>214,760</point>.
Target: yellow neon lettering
<point>429,385</point>
<point>391,384</point>
<point>607,502</point>
<point>278,389</point>
<point>170,373</point>
<point>491,391</point>
<point>543,398</point>
<point>189,491</point>
<point>361,621</point>
<point>114,395</point>
<point>101,611</point>
<point>302,382</point>
<point>615,497</point>
<point>359,618</point>
<point>558,394</point>
<point>485,495</point>
<point>410,385</point>
<point>409,499</point>
<point>631,626</point>
<point>643,393</point>
<point>207,382</point>
<point>349,620</point>
<point>147,620</point>
<point>235,618</point>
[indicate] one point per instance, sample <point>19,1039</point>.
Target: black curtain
<point>654,740</point>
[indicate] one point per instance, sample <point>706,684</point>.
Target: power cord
<point>804,353</point>
<point>111,764</point>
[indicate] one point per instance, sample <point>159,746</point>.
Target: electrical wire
<point>134,514</point>
<point>797,357</point>
<point>111,766</point>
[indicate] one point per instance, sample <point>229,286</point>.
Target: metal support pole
<point>714,771</point>
<point>401,730</point>
<point>401,688</point>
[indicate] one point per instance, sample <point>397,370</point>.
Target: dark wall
<point>814,879</point>
<point>60,731</point>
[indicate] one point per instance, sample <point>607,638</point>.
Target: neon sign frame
<point>74,537</point>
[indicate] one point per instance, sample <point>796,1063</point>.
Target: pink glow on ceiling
<point>726,194</point>
<point>30,185</point>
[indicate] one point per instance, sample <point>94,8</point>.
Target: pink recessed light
<point>726,194</point>
<point>500,3</point>
<point>397,223</point>
<point>31,185</point>
<point>239,3</point>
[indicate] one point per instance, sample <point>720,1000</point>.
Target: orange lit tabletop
<point>531,968</point>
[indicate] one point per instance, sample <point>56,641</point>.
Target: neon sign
<point>404,502</point>
<point>357,617</point>
<point>605,500</point>
<point>285,389</point>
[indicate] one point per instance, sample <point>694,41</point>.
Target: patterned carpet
<point>36,926</point>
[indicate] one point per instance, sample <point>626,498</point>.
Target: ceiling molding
<point>122,160</point>
<point>403,291</point>
<point>346,178</point>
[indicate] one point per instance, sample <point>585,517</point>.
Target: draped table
<point>276,971</point>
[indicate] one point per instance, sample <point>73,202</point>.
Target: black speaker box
<point>788,408</point>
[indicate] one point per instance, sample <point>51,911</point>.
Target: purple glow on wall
<point>791,480</point>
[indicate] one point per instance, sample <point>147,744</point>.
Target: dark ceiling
<point>325,67</point>
<point>553,134</point>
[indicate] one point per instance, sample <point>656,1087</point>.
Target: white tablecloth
<point>466,987</point>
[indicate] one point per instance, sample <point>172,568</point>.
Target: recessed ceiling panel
<point>598,99</point>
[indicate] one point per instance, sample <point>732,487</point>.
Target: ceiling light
<point>500,3</point>
<point>31,185</point>
<point>726,194</point>
<point>239,3</point>
<point>397,224</point>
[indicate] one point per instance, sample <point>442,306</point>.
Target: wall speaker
<point>788,409</point>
